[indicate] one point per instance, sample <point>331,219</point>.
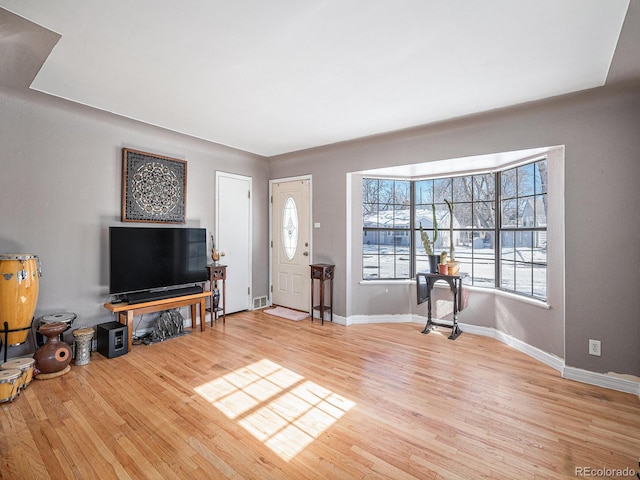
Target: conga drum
<point>25,365</point>
<point>9,384</point>
<point>19,277</point>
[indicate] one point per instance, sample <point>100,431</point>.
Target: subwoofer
<point>112,339</point>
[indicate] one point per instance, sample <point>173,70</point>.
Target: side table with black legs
<point>424,285</point>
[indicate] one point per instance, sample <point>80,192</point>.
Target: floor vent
<point>259,302</point>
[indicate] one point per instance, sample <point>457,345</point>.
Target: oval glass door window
<point>290,228</point>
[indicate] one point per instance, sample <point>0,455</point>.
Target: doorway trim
<point>288,179</point>
<point>219,174</point>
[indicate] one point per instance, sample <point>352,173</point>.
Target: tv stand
<point>126,311</point>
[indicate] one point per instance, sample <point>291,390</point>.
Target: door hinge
<point>249,291</point>
<point>249,193</point>
<point>271,288</point>
<point>271,199</point>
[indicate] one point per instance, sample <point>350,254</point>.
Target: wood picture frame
<point>154,188</point>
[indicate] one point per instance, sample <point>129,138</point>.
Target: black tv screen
<point>142,259</point>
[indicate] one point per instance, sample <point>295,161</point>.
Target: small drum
<point>19,283</point>
<point>82,345</point>
<point>65,317</point>
<point>25,365</point>
<point>9,384</point>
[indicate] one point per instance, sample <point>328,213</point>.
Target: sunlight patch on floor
<point>277,406</point>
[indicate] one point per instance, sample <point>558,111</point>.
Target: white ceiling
<point>271,77</point>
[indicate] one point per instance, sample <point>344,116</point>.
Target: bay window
<point>498,222</point>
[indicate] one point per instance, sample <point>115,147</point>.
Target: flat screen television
<point>147,258</point>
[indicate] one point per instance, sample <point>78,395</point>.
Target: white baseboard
<point>549,359</point>
<point>570,373</point>
<point>601,380</point>
<point>327,318</point>
<point>362,319</point>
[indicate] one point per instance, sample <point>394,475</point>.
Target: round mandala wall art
<point>154,188</point>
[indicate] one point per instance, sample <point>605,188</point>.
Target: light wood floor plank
<point>299,400</point>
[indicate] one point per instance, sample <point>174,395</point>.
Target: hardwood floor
<point>268,398</point>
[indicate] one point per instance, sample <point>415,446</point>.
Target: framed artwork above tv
<point>154,188</point>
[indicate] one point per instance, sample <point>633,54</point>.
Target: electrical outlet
<point>594,347</point>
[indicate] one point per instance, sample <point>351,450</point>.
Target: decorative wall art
<point>154,188</point>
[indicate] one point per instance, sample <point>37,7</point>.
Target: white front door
<point>291,244</point>
<point>233,237</point>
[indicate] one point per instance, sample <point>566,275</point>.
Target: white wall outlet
<point>594,347</point>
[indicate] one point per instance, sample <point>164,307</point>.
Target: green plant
<point>452,251</point>
<point>424,236</point>
<point>443,258</point>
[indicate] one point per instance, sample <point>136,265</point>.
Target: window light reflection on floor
<point>277,406</point>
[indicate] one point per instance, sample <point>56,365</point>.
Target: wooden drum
<point>25,365</point>
<point>9,384</point>
<point>19,277</point>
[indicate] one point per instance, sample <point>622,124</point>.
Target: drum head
<point>19,363</point>
<point>65,317</point>
<point>17,256</point>
<point>83,331</point>
<point>8,375</point>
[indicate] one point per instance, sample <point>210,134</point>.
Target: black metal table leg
<point>429,326</point>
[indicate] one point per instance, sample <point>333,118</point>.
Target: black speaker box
<point>113,340</point>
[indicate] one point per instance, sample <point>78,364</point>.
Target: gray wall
<point>599,129</point>
<point>60,189</point>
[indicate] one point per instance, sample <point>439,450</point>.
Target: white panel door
<point>290,255</point>
<point>233,237</point>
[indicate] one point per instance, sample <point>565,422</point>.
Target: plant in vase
<point>424,236</point>
<point>443,268</point>
<point>454,266</point>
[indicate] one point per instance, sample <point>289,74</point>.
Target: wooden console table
<point>217,272</point>
<point>322,272</point>
<point>126,312</point>
<point>424,285</point>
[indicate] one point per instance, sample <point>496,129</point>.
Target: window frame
<point>395,231</point>
<point>496,232</point>
<point>534,230</point>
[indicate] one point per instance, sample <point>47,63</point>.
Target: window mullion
<point>497,254</point>
<point>412,217</point>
